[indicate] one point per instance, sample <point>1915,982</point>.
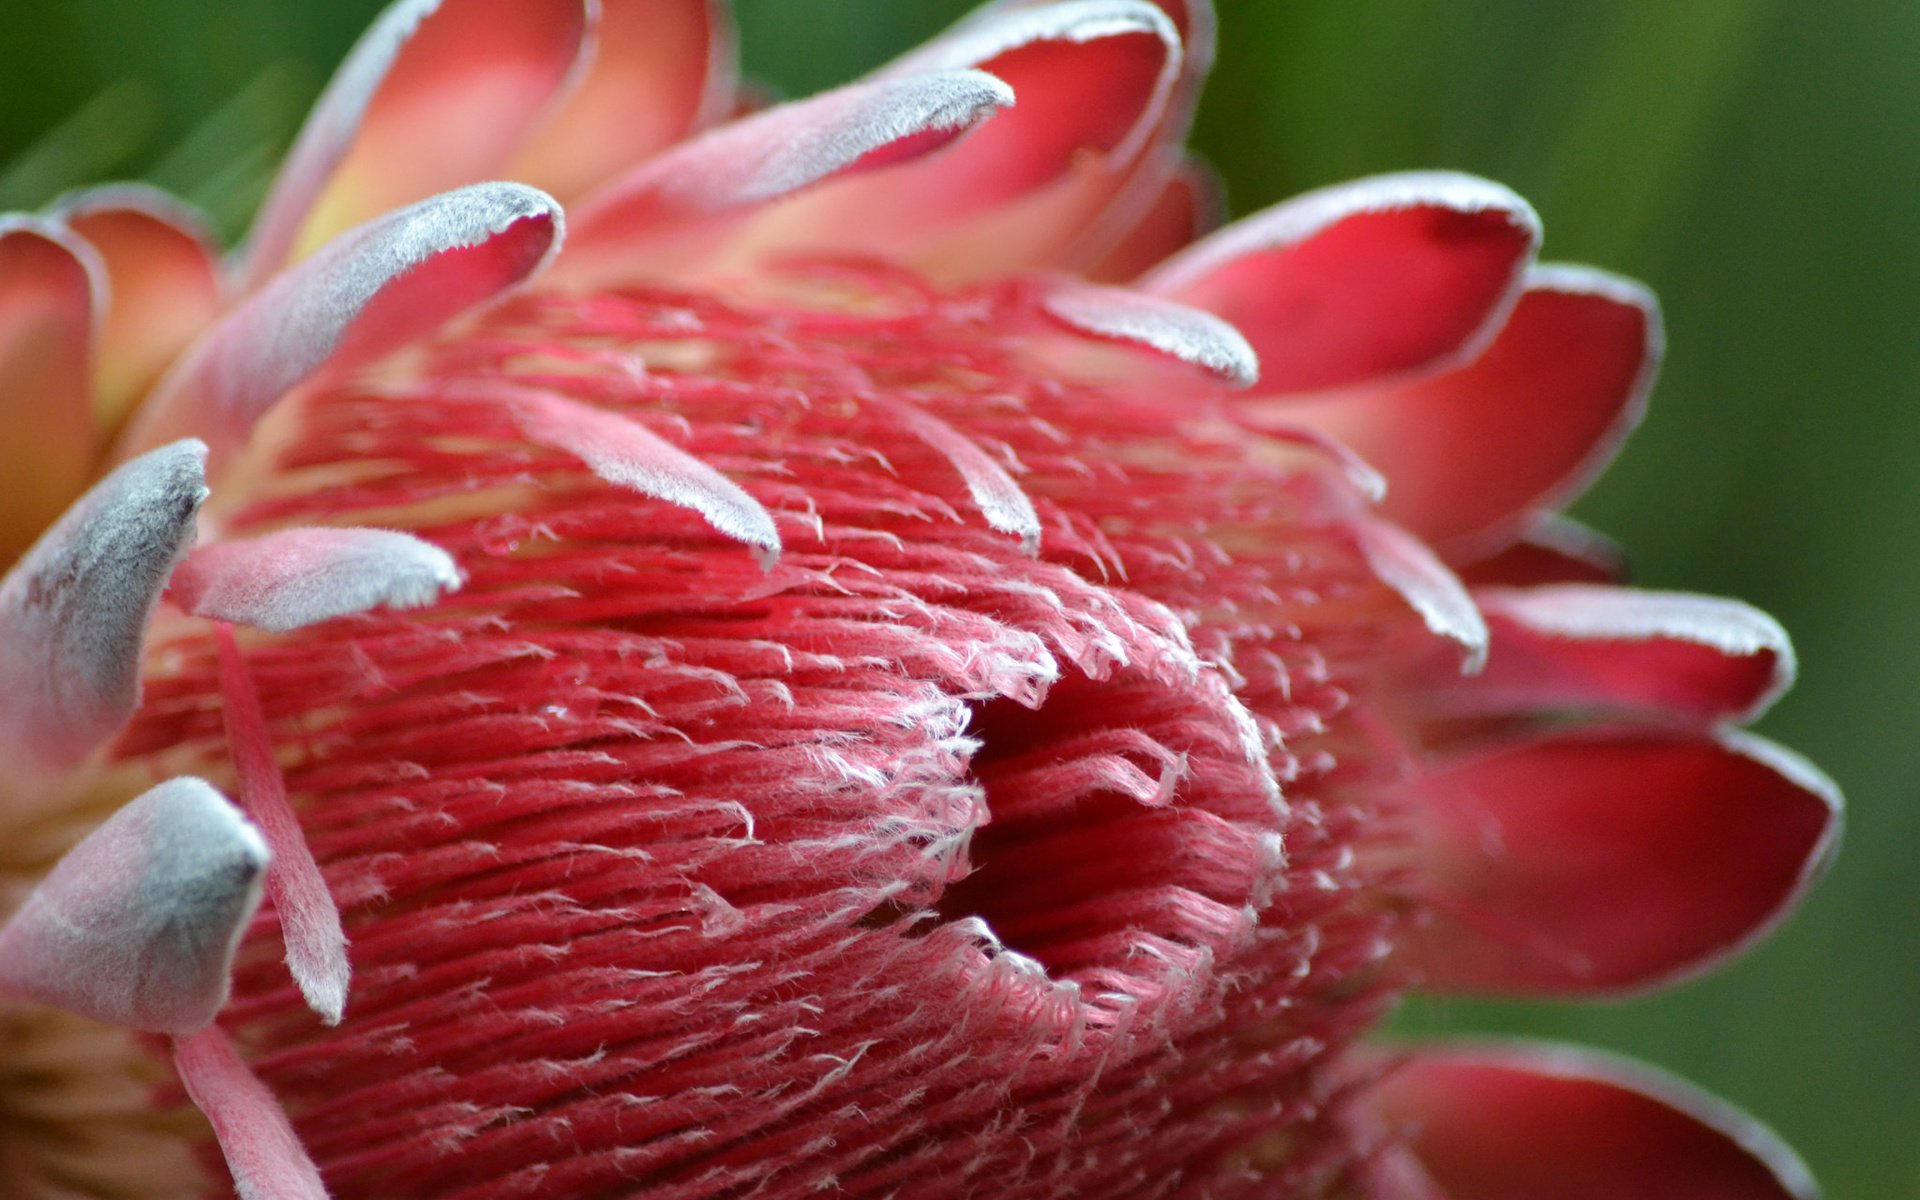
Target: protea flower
<point>880,669</point>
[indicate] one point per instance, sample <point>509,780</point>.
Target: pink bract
<point>851,647</point>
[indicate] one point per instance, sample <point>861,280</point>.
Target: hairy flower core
<point>923,859</point>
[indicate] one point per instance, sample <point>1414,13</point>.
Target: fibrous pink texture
<point>937,857</point>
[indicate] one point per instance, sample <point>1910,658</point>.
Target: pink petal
<point>1367,279</point>
<point>1000,498</point>
<point>73,612</point>
<point>660,70</point>
<point>1612,860</point>
<point>299,577</point>
<point>371,290</point>
<point>1475,455</point>
<point>638,223</point>
<point>1423,581</point>
<point>309,918</point>
<point>50,285</point>
<point>1174,330</point>
<point>137,925</point>
<point>1522,1121</point>
<point>1557,550</point>
<point>1587,646</point>
<point>262,1151</point>
<point>163,284</point>
<point>1188,206</point>
<point>1093,81</point>
<point>631,456</point>
<point>437,94</point>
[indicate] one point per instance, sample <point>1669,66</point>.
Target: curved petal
<point>73,612</point>
<point>1573,646</point>
<point>1611,860</point>
<point>1093,80</point>
<point>1518,1121</point>
<point>1423,581</point>
<point>299,577</point>
<point>995,492</point>
<point>679,204</point>
<point>1557,550</point>
<point>1374,278</point>
<point>437,94</point>
<point>51,289</point>
<point>163,285</point>
<point>1474,456</point>
<point>629,455</point>
<point>137,925</point>
<point>371,290</point>
<point>262,1151</point>
<point>309,918</point>
<point>1161,326</point>
<point>661,70</point>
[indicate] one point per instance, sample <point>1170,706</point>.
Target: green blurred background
<point>1756,161</point>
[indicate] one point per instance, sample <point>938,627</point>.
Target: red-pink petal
<point>137,925</point>
<point>163,286</point>
<point>1557,550</point>
<point>1000,498</point>
<point>436,95</point>
<point>1367,279</point>
<point>1526,1121</point>
<point>1423,581</point>
<point>631,456</point>
<point>1584,646</point>
<point>639,223</point>
<point>299,577</point>
<point>1474,456</point>
<point>73,611</point>
<point>309,918</point>
<point>1093,80</point>
<point>50,286</point>
<point>660,70</point>
<point>1161,326</point>
<point>1188,206</point>
<point>262,1151</point>
<point>371,290</point>
<point>1611,860</point>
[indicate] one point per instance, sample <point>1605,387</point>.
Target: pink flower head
<point>885,661</point>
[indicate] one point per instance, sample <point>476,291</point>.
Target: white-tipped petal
<point>770,155</point>
<point>437,94</point>
<point>137,925</point>
<point>298,577</point>
<point>1404,564</point>
<point>1176,330</point>
<point>630,456</point>
<point>369,291</point>
<point>1587,644</point>
<point>73,612</point>
<point>1363,280</point>
<point>1000,498</point>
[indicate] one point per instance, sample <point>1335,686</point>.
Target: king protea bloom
<point>886,661</point>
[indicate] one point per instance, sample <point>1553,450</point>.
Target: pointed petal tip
<point>1176,330</point>
<point>138,924</point>
<point>1406,565</point>
<point>367,292</point>
<point>1707,657</point>
<point>74,610</point>
<point>298,577</point>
